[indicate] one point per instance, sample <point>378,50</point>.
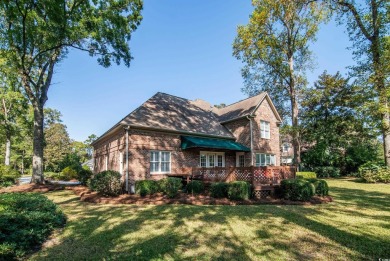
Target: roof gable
<point>168,112</point>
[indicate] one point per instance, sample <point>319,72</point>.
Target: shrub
<point>67,173</point>
<point>219,190</point>
<point>170,186</point>
<point>107,183</point>
<point>51,175</point>
<point>238,190</point>
<point>195,186</point>
<point>297,189</point>
<point>8,176</point>
<point>26,220</point>
<point>306,175</point>
<point>382,174</point>
<point>84,175</point>
<point>146,187</point>
<point>321,187</point>
<point>327,172</point>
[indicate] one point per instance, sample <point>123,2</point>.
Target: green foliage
<point>68,173</point>
<point>84,175</point>
<point>375,173</point>
<point>297,189</point>
<point>26,221</point>
<point>219,189</point>
<point>51,175</point>
<point>239,190</point>
<point>195,186</point>
<point>321,186</point>
<point>146,187</point>
<point>57,146</point>
<point>72,160</point>
<point>8,176</point>
<point>327,172</point>
<point>170,186</point>
<point>306,175</point>
<point>106,183</point>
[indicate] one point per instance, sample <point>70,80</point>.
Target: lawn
<point>355,226</point>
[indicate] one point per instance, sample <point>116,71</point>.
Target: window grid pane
<point>203,160</point>
<point>219,160</point>
<point>160,161</point>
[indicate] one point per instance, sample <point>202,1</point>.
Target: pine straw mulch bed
<point>87,195</point>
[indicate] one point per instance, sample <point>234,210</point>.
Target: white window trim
<point>121,163</point>
<point>160,161</point>
<point>207,153</point>
<point>266,154</point>
<point>265,127</point>
<point>106,164</point>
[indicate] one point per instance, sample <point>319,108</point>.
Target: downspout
<point>251,130</point>
<point>127,158</point>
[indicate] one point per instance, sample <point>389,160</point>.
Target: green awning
<point>188,142</point>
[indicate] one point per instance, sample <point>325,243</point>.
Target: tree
<point>58,145</point>
<point>339,131</point>
<point>51,116</point>
<point>368,25</point>
<point>88,142</point>
<point>36,35</point>
<point>274,48</point>
<point>13,107</point>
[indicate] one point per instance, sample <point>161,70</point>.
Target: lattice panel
<point>262,194</point>
<point>243,174</point>
<point>261,175</point>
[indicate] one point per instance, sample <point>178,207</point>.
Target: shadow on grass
<point>96,232</point>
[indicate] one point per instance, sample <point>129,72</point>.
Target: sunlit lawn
<point>355,226</point>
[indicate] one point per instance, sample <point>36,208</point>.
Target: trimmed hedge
<point>170,186</point>
<point>297,189</point>
<point>146,187</point>
<point>106,183</point>
<point>195,186</point>
<point>8,176</point>
<point>321,187</point>
<point>239,190</point>
<point>68,173</point>
<point>26,221</point>
<point>327,172</point>
<point>219,190</point>
<point>306,175</point>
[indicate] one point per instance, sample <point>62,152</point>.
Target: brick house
<point>167,133</point>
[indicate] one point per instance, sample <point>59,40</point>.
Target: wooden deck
<point>263,179</point>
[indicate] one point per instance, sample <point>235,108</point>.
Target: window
<point>240,159</point>
<point>264,130</point>
<point>160,161</point>
<point>265,159</point>
<point>286,147</point>
<point>209,159</point>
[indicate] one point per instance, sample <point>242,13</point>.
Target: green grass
<point>356,226</point>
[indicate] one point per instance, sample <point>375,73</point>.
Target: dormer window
<point>264,130</point>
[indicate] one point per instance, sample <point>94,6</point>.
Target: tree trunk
<point>8,150</point>
<point>37,175</point>
<point>295,134</point>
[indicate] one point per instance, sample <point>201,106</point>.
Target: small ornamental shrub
<point>195,186</point>
<point>26,221</point>
<point>219,190</point>
<point>239,190</point>
<point>306,175</point>
<point>51,175</point>
<point>297,189</point>
<point>8,176</point>
<point>84,175</point>
<point>327,172</point>
<point>170,186</point>
<point>321,187</point>
<point>146,187</point>
<point>381,174</point>
<point>106,183</point>
<point>68,173</point>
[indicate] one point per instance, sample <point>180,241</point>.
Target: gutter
<point>127,158</point>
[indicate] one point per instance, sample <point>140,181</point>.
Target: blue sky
<point>182,48</point>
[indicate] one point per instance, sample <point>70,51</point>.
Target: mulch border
<point>158,199</point>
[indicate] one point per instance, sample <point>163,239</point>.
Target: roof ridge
<point>240,101</point>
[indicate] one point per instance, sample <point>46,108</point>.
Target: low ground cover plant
<point>106,183</point>
<point>26,220</point>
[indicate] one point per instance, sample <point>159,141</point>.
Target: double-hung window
<point>264,130</point>
<point>160,162</point>
<point>265,159</point>
<point>209,159</point>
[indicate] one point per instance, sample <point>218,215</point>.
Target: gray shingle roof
<point>164,111</point>
<point>239,109</point>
